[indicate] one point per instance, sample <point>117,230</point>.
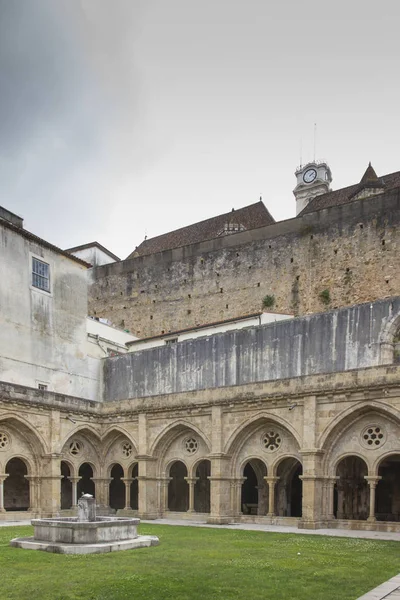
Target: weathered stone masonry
<point>349,250</point>
<point>335,341</point>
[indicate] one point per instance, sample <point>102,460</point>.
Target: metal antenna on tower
<point>301,152</point>
<point>315,138</point>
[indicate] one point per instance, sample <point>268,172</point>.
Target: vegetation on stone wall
<point>325,296</point>
<point>268,301</point>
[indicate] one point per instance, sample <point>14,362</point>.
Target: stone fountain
<point>85,534</point>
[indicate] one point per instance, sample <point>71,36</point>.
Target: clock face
<point>309,175</point>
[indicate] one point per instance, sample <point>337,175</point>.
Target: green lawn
<point>202,564</point>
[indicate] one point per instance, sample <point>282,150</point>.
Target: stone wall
<point>350,250</point>
<point>336,341</point>
<point>320,420</point>
<point>43,332</point>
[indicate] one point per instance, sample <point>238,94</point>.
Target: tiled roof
<point>249,217</point>
<point>345,195</point>
<point>194,328</point>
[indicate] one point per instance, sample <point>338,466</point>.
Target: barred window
<point>40,275</point>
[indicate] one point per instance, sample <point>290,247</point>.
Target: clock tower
<point>313,179</point>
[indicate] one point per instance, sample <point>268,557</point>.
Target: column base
<point>219,520</point>
<point>312,525</point>
<point>371,519</point>
<point>148,516</point>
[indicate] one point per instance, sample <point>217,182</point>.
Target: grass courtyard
<point>202,564</point>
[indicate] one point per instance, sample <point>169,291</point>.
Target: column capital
<point>238,482</point>
<point>127,479</point>
<point>372,480</point>
<point>3,476</point>
<point>191,479</point>
<point>74,479</point>
<point>272,480</point>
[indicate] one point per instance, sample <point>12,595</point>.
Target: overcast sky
<point>126,118</point>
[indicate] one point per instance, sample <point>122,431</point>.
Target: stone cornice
<point>373,383</point>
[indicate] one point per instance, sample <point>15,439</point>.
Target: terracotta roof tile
<point>345,195</point>
<point>249,217</point>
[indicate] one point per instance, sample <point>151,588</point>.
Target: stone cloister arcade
<point>261,473</point>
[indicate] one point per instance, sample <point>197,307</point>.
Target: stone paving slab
<point>390,590</point>
<point>368,535</point>
<point>350,533</point>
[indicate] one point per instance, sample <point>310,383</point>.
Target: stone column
<point>127,481</point>
<point>236,496</point>
<point>74,481</point>
<point>102,492</point>
<point>220,489</point>
<point>330,487</point>
<point>372,482</point>
<point>191,483</point>
<point>272,481</point>
<point>340,498</point>
<point>163,486</point>
<point>148,486</point>
<point>312,489</point>
<point>34,489</point>
<point>3,477</point>
<point>50,488</point>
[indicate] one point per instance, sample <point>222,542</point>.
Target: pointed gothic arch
<point>241,433</point>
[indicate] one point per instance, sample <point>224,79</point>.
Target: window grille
<point>40,275</point>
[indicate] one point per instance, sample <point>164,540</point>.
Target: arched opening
<point>178,489</point>
<point>202,487</point>
<point>135,488</point>
<point>254,500</point>
<point>388,490</point>
<point>351,499</point>
<point>85,484</point>
<point>117,487</point>
<point>66,486</point>
<point>16,486</point>
<point>289,488</point>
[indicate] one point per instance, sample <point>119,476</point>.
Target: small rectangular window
<point>171,341</point>
<point>40,275</point>
<point>42,386</point>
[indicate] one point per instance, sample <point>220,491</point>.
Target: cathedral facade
<point>289,420</point>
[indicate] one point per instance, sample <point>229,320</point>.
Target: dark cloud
<point>69,106</point>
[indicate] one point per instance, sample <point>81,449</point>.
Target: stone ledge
<point>143,541</point>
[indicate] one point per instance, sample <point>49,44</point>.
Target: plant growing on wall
<point>268,301</point>
<point>325,296</point>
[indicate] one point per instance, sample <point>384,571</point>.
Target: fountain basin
<point>72,531</point>
<point>87,534</point>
